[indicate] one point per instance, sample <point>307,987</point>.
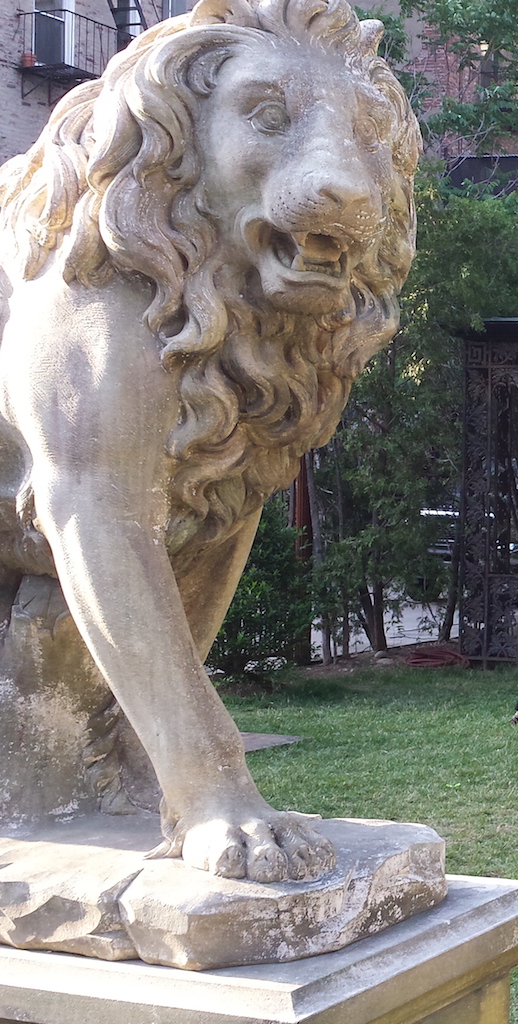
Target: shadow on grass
<point>387,685</point>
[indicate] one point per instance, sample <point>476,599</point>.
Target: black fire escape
<point>61,48</point>
<point>129,20</point>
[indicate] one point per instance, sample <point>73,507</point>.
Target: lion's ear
<point>227,12</point>
<point>371,33</point>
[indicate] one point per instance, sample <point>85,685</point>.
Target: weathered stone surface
<point>86,888</point>
<point>67,748</point>
<point>51,696</point>
<point>447,957</point>
<point>59,887</point>
<point>262,740</point>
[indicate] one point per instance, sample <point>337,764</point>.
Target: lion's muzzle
<point>316,221</point>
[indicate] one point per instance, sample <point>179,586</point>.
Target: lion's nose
<point>349,194</point>
<point>334,205</point>
<point>340,200</point>
<point>345,194</point>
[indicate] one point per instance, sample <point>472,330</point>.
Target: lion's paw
<point>283,847</point>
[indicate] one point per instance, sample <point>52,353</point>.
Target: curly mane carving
<point>116,184</point>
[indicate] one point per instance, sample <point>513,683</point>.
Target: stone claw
<point>270,848</point>
<point>167,848</point>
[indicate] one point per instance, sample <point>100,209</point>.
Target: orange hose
<point>436,657</point>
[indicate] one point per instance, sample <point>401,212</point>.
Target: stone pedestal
<point>447,966</point>
<point>85,887</point>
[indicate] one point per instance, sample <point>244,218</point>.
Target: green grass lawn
<point>434,746</point>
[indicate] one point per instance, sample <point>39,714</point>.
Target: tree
<point>397,449</point>
<point>388,451</point>
<point>471,107</point>
<point>271,610</point>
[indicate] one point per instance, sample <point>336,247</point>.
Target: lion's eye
<point>366,131</point>
<point>270,118</point>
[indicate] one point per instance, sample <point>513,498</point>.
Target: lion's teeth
<point>299,263</point>
<point>306,267</point>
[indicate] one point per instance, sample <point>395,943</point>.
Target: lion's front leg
<point>122,593</point>
<point>94,407</point>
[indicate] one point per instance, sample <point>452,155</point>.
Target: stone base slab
<point>84,887</point>
<point>446,966</point>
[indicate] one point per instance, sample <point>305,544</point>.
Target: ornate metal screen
<point>489,564</point>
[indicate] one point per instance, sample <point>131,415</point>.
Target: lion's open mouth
<point>299,271</point>
<point>307,253</point>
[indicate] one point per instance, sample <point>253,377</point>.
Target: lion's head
<point>254,161</point>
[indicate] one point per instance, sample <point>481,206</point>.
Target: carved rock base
<point>84,887</point>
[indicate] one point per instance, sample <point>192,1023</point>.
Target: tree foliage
<point>466,266</point>
<point>271,610</point>
<point>478,41</point>
<point>397,448</point>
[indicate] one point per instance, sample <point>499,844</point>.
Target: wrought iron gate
<point>489,507</point>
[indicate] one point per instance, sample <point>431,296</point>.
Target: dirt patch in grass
<point>396,655</point>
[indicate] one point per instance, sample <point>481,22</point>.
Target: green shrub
<point>271,610</point>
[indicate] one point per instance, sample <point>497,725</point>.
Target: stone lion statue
<point>199,255</point>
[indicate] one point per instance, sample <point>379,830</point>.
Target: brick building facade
<point>439,67</point>
<point>46,46</point>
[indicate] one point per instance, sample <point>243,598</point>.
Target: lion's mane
<point>115,184</point>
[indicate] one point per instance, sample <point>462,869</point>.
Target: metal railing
<point>62,45</point>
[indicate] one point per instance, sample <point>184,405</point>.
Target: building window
<point>170,8</point>
<point>54,32</point>
<point>488,66</point>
